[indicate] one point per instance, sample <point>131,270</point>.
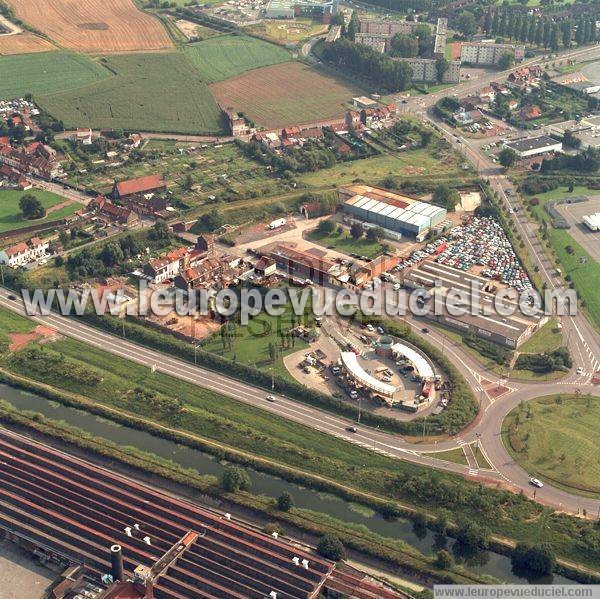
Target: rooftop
<point>532,143</point>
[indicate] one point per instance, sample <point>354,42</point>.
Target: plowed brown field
<point>23,43</point>
<point>95,26</point>
<point>289,93</point>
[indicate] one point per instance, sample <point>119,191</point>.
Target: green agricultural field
<point>149,92</point>
<point>46,72</point>
<point>10,214</point>
<point>556,439</point>
<point>227,56</point>
<point>585,276</point>
<point>343,242</point>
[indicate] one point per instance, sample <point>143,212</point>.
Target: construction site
<point>111,537</point>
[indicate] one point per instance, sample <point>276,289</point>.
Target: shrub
<point>536,558</point>
<point>235,479</point>
<point>444,560</point>
<point>330,547</point>
<point>285,502</point>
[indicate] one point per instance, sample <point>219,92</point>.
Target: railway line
<point>74,510</point>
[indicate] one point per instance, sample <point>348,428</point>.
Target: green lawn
<point>46,72</point>
<point>548,338</point>
<point>457,456</point>
<point>149,92</point>
<point>250,344</point>
<point>405,164</point>
<point>10,214</point>
<point>226,56</point>
<point>556,439</point>
<point>12,323</point>
<point>345,243</point>
<point>585,276</point>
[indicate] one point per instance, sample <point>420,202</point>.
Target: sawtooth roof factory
<point>391,211</point>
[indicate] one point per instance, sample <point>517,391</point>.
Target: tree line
<point>380,70</point>
<point>539,30</point>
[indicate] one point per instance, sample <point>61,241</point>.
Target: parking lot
<point>574,214</point>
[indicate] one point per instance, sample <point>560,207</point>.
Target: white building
<point>534,146</point>
<point>22,253</point>
<point>486,53</point>
<point>424,70</point>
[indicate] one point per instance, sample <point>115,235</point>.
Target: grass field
<point>149,92</point>
<point>10,214</point>
<point>586,276</point>
<point>95,25</point>
<point>250,344</point>
<point>227,56</point>
<point>288,93</point>
<point>345,243</point>
<point>556,439</point>
<point>412,163</point>
<point>46,72</point>
<point>548,338</point>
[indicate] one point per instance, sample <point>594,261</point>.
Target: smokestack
<point>116,560</point>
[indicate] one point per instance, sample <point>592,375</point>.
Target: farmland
<point>149,92</point>
<point>285,94</point>
<point>95,26</point>
<point>10,214</point>
<point>227,56</point>
<point>46,72</point>
<point>555,438</point>
<point>23,43</point>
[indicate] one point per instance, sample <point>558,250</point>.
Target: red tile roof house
<point>112,213</point>
<point>166,267</point>
<point>139,194</point>
<point>530,112</point>
<point>22,253</point>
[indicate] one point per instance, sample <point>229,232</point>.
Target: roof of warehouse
<point>450,277</point>
<point>532,143</point>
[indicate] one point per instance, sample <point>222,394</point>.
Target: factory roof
<point>531,143</point>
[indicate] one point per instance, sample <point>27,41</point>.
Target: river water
<point>424,540</point>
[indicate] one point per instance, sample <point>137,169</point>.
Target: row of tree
<point>538,30</point>
<point>380,70</point>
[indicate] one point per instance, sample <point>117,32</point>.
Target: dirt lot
<point>23,43</point>
<point>20,340</point>
<point>95,25</point>
<point>574,214</point>
<point>20,576</point>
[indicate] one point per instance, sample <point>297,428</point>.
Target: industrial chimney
<point>116,560</point>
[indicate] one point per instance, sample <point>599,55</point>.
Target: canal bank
<point>425,541</point>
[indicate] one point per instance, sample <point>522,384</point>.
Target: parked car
<point>535,482</point>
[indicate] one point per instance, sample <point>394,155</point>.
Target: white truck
<point>277,223</point>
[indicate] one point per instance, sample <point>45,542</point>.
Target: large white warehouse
<point>391,211</point>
